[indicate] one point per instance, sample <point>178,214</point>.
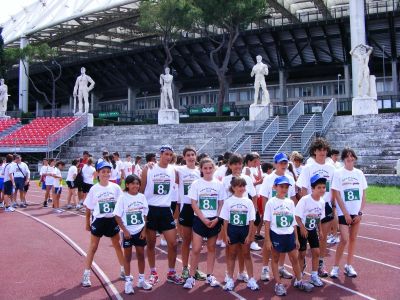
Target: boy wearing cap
<point>267,191</point>
<point>309,212</point>
<point>157,186</point>
<point>281,236</point>
<point>100,203</point>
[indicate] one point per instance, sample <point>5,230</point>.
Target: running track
<point>42,256</point>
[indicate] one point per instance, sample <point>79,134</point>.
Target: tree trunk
<point>53,100</point>
<point>221,94</point>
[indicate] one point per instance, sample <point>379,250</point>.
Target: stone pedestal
<point>4,117</point>
<point>90,118</point>
<point>168,116</point>
<point>364,106</point>
<point>255,109</point>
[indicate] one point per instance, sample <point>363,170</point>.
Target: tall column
<point>94,102</point>
<point>132,99</point>
<point>395,84</point>
<point>282,85</point>
<point>23,79</point>
<point>39,108</point>
<point>347,81</point>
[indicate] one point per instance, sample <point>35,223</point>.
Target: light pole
<point>383,66</point>
<point>338,84</point>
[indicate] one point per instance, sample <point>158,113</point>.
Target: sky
<point>9,8</point>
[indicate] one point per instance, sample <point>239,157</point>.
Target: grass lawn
<point>383,194</point>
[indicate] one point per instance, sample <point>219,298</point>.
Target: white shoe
<point>243,277</point>
<point>122,273</point>
<point>254,246</point>
<point>163,242</point>
<point>143,284</point>
<point>129,287</point>
<point>349,271</point>
<point>285,273</point>
<point>226,278</point>
<point>212,281</point>
<point>86,279</point>
<point>252,284</point>
<point>230,285</point>
<point>189,284</point>
<point>69,206</point>
<point>1,204</point>
<point>337,239</point>
<point>78,207</point>
<point>10,209</point>
<point>335,272</point>
<point>265,274</point>
<point>218,242</point>
<point>222,245</point>
<point>316,281</point>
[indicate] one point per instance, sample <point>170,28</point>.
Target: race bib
<point>274,194</point>
<point>208,203</point>
<point>161,188</point>
<point>327,186</point>
<point>311,222</point>
<point>134,218</point>
<point>351,195</point>
<point>186,187</point>
<point>106,207</point>
<point>284,221</point>
<point>238,218</point>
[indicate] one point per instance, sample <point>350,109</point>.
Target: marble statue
<point>260,70</point>
<point>361,53</point>
<point>3,97</point>
<point>166,90</point>
<point>81,90</point>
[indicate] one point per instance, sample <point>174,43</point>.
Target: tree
<point>42,54</point>
<point>229,17</point>
<point>2,62</point>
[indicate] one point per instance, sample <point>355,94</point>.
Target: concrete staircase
<point>374,138</point>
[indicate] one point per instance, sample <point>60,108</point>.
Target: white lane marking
<point>378,240</point>
<point>379,216</point>
<point>394,225</point>
<point>332,283</point>
<point>387,227</point>
<point>106,280</point>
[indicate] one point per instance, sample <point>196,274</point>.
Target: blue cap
<point>317,177</point>
<point>282,180</point>
<point>279,157</point>
<point>165,148</point>
<point>103,164</point>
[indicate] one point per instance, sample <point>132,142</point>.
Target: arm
<point>144,180</point>
<point>296,238</point>
<point>268,244</point>
<point>28,175</point>
<point>127,234</point>
<point>342,206</point>
<point>303,192</point>
<point>250,235</point>
<point>303,229</point>
<point>143,234</point>
<point>363,201</point>
<point>91,83</point>
<point>75,92</point>
<point>199,213</point>
<point>225,229</point>
<point>87,215</point>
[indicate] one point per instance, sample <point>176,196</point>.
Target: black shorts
<point>329,216</point>
<point>342,219</point>
<point>283,243</point>
<point>104,226</point>
<point>8,188</point>
<point>135,240</point>
<point>71,185</point>
<point>79,185</point>
<point>86,187</point>
<point>186,215</point>
<point>312,238</point>
<point>160,219</point>
<point>173,206</point>
<point>203,230</point>
<point>257,221</point>
<point>237,234</point>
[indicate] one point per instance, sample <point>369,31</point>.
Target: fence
<point>307,133</point>
<point>270,133</point>
<point>328,114</point>
<point>208,147</point>
<point>235,134</point>
<point>295,113</point>
<point>244,147</point>
<point>286,146</point>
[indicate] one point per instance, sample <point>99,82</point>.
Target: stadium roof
<point>86,27</point>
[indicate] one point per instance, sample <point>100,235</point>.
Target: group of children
<point>230,204</point>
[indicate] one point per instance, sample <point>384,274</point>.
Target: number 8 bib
<point>208,203</point>
<point>284,221</point>
<point>106,207</point>
<point>238,218</point>
<point>134,218</point>
<point>351,195</point>
<point>311,223</point>
<point>161,188</point>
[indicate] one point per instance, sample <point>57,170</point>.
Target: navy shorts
<point>58,190</point>
<point>328,213</point>
<point>342,219</point>
<point>160,219</point>
<point>173,206</point>
<point>43,186</point>
<point>186,215</point>
<point>8,188</point>
<point>135,240</point>
<point>86,187</point>
<point>283,243</point>
<point>257,221</point>
<point>237,234</point>
<point>104,226</point>
<point>1,183</point>
<point>203,230</point>
<point>19,183</point>
<point>312,238</point>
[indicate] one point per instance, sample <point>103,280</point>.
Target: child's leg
<point>322,243</point>
<point>293,256</point>
<point>274,265</point>
<point>282,259</point>
<point>196,248</point>
<point>140,259</point>
<point>170,237</point>
<point>266,254</point>
<point>352,242</point>
<point>240,259</point>
<point>150,249</point>
<point>117,246</point>
<point>127,260</point>
<point>54,197</point>
<point>233,252</point>
<point>315,257</point>
<point>187,239</point>
<point>245,250</point>
<point>94,243</point>
<point>344,238</point>
<point>211,242</point>
<point>302,255</point>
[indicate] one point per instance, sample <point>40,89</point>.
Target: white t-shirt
<point>88,174</point>
<point>238,211</point>
<point>57,181</point>
<point>267,189</point>
<point>132,209</point>
<point>7,170</point>
<point>128,168</point>
<point>220,172</point>
<point>138,170</point>
<point>102,199</point>
<point>2,170</point>
<point>159,189</point>
<point>208,195</point>
<point>186,177</point>
<point>49,179</point>
<point>73,170</point>
<point>325,170</point>
<point>280,212</point>
<point>115,173</point>
<point>250,189</point>
<point>310,211</point>
<point>351,185</point>
<point>120,167</point>
<point>22,171</point>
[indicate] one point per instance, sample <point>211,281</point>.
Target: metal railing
<point>270,133</point>
<point>235,134</point>
<point>286,146</point>
<point>295,113</point>
<point>244,147</point>
<point>208,147</point>
<point>307,133</point>
<point>328,114</point>
<point>262,116</point>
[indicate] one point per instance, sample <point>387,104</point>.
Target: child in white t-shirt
<point>131,212</point>
<point>57,178</point>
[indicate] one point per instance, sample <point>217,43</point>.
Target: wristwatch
<point>360,213</point>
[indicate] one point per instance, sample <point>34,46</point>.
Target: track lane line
<point>380,216</point>
<point>377,240</point>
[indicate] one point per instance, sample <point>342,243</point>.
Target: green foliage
<point>2,62</point>
<point>383,194</point>
<point>31,53</point>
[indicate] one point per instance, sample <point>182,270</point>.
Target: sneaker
<point>322,272</point>
<point>122,273</point>
<point>69,206</point>
<point>252,284</point>
<point>50,200</point>
<point>218,242</point>
<point>1,204</point>
<point>212,281</point>
<point>153,278</point>
<point>334,272</point>
<point>24,205</point>
<point>14,205</point>
<point>163,242</point>
<point>179,240</point>
<point>143,284</point>
<point>226,278</point>
<point>337,239</point>
<point>222,245</point>
<point>243,277</point>
<point>280,289</point>
<point>229,286</point>
<point>78,206</point>
<point>316,281</point>
<point>189,284</point>
<point>172,277</point>
<point>265,274</point>
<point>129,286</point>
<point>254,246</point>
<point>21,205</point>
<point>9,209</point>
<point>86,279</point>
<point>285,273</point>
<point>44,203</point>
<point>349,271</point>
<point>199,275</point>
<point>303,286</point>
<point>185,273</point>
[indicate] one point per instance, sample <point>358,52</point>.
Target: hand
<point>228,240</point>
<point>321,235</point>
<point>143,234</point>
<point>297,245</point>
<point>213,223</point>
<point>303,232</point>
<point>150,165</point>
<point>87,227</point>
<point>357,219</point>
<point>268,245</point>
<point>127,234</point>
<point>349,220</point>
<point>207,222</point>
<point>248,240</point>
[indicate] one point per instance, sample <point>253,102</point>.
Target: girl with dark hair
<point>72,172</point>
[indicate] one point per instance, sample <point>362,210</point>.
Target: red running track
<point>40,263</point>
